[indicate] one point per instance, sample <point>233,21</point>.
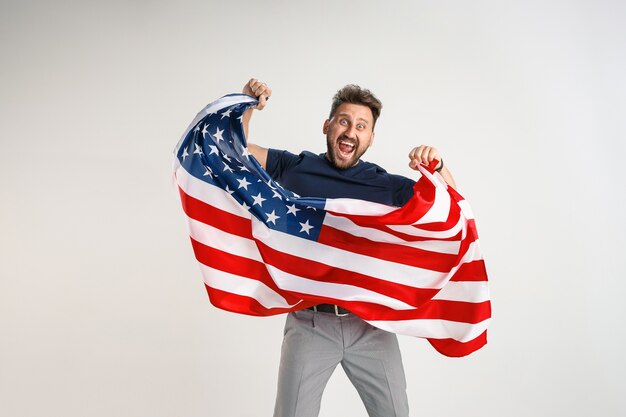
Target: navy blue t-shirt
<point>311,175</point>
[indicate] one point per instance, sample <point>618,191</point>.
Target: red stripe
<point>372,223</point>
<point>325,273</point>
<point>241,266</point>
<point>471,271</point>
<point>207,214</point>
<point>458,311</point>
<point>409,214</point>
<point>237,265</point>
<point>434,261</point>
<point>456,349</point>
<point>246,305</point>
<point>240,304</point>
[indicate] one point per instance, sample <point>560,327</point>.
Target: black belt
<point>330,308</point>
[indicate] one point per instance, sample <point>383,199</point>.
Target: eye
<point>360,126</point>
<point>343,122</point>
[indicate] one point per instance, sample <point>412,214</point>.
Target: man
<point>321,337</point>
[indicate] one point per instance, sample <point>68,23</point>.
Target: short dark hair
<point>354,94</point>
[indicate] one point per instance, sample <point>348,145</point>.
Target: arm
<point>262,91</point>
<point>424,154</point>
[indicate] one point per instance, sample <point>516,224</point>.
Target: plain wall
<point>102,307</point>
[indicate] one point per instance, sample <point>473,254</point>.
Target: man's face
<point>348,134</point>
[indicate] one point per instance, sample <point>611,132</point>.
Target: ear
<point>372,140</point>
<point>325,127</point>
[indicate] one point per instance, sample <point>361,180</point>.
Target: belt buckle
<point>337,312</point>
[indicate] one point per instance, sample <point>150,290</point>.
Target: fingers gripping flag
<point>263,250</point>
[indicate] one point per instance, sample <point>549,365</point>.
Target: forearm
<point>259,153</point>
<point>262,92</point>
<point>447,176</point>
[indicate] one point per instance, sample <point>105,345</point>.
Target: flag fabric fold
<point>263,250</point>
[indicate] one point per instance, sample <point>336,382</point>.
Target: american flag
<point>263,250</point>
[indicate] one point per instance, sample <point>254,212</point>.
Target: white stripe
<point>434,329</point>
<point>435,178</point>
<point>373,267</point>
<point>466,209</point>
<point>224,241</point>
<point>472,254</point>
<point>334,257</point>
<point>343,292</point>
<point>440,209</point>
<point>209,194</point>
<point>348,226</point>
<point>433,234</point>
<point>247,287</point>
<point>474,292</point>
<point>468,291</point>
<point>236,245</point>
<point>353,206</point>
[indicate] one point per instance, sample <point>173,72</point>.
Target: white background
<point>102,307</point>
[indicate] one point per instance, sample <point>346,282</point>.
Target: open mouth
<point>346,147</point>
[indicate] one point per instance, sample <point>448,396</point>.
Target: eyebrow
<point>358,118</point>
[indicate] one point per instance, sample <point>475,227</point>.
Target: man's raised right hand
<point>258,89</point>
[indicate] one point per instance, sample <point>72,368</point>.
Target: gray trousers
<point>315,343</point>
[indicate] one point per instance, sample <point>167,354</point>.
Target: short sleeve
<point>402,189</point>
<point>278,162</point>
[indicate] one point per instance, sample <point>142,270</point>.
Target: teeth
<point>347,143</point>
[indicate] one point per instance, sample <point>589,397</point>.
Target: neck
<point>329,160</point>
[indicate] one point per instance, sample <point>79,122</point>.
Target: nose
<point>350,132</point>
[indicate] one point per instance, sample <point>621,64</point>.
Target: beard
<point>337,161</point>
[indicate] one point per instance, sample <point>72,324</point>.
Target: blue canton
<point>215,152</point>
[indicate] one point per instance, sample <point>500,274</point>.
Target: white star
<point>204,130</point>
<point>226,157</point>
<point>243,168</point>
<point>258,200</point>
<point>218,134</point>
<point>243,183</point>
<point>213,150</point>
<point>229,191</point>
<point>296,195</point>
<point>197,129</point>
<point>306,227</point>
<point>292,209</point>
<point>312,208</point>
<point>198,149</point>
<point>245,206</point>
<point>246,152</point>
<point>208,172</point>
<point>277,195</point>
<point>226,113</point>
<point>271,217</point>
<point>269,184</point>
<point>185,154</point>
<point>227,168</point>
